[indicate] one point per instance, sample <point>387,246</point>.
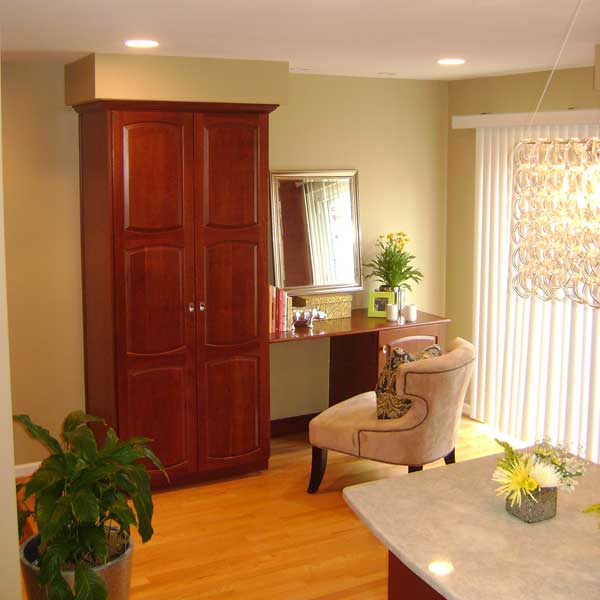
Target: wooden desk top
<point>359,322</point>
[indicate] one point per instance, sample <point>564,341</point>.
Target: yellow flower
<point>515,480</point>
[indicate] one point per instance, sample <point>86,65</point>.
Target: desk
<point>452,514</point>
<point>360,345</point>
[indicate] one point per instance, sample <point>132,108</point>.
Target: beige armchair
<point>427,432</point>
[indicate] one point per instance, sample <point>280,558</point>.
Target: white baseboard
<point>26,470</point>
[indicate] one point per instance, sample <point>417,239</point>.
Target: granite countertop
<point>452,514</point>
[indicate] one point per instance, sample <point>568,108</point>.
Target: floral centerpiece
<point>529,481</point>
<point>392,263</point>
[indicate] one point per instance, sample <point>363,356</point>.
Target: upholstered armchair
<point>427,432</point>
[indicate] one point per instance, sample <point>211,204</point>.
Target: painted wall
<point>394,132</point>
<point>41,209</point>
<point>570,88</point>
<point>9,553</point>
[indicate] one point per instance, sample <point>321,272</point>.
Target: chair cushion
<point>389,404</point>
<point>340,426</point>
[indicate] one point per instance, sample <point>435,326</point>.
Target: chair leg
<point>319,462</point>
<point>414,468</point>
<point>450,458</point>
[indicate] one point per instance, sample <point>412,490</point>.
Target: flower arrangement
<point>568,466</point>
<point>392,263</point>
<point>520,475</point>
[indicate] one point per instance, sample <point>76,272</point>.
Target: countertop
<point>451,513</point>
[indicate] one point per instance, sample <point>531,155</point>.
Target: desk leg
<point>403,584</point>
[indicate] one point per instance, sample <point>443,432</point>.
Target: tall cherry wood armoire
<point>174,210</point>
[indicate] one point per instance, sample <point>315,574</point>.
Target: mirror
<point>316,241</point>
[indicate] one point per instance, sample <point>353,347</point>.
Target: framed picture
<point>378,301</point>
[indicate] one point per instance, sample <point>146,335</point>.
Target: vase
<point>400,298</point>
<point>116,574</point>
<point>540,507</point>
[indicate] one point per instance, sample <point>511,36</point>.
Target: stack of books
<point>280,310</point>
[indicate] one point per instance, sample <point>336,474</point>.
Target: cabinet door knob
<point>201,306</point>
<point>191,307</point>
<point>385,349</point>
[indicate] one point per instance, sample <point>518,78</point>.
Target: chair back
<point>441,383</point>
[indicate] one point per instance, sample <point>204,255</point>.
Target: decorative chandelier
<point>556,213</point>
<point>556,220</point>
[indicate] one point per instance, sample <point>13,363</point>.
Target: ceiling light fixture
<point>451,61</point>
<point>556,213</point>
<point>141,44</point>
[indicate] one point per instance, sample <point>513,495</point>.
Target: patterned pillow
<point>389,404</point>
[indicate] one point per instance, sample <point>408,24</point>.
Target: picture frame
<point>378,301</point>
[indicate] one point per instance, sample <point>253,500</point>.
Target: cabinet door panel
<point>231,272</point>
<point>232,399</point>
<point>158,407</point>
<point>155,284</point>
<point>153,193</point>
<point>231,246</point>
<point>230,171</point>
<point>154,297</point>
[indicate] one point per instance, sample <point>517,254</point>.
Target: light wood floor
<point>262,537</point>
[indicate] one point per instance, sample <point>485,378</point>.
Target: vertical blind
<point>538,372</point>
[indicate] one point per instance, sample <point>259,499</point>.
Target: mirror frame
<point>276,228</point>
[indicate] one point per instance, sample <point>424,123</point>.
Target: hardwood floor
<point>263,537</point>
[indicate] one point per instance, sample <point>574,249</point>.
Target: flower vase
<point>399,294</point>
<point>541,505</point>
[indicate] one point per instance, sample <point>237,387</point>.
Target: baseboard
<point>297,424</point>
<point>466,410</point>
<point>26,469</point>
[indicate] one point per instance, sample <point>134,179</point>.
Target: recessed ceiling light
<point>451,61</point>
<point>141,43</point>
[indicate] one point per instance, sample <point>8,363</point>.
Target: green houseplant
<point>87,498</point>
<point>392,263</point>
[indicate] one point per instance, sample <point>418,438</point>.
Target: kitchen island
<point>449,536</point>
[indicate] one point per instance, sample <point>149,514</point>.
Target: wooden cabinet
<point>174,205</point>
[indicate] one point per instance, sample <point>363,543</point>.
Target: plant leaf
<point>77,418</point>
<point>82,443</point>
<point>94,539</point>
<point>149,454</point>
<point>85,506</point>
<point>39,433</point>
<point>88,584</point>
<point>142,500</point>
<point>51,471</point>
<point>51,514</point>
<point>59,589</point>
<point>53,559</point>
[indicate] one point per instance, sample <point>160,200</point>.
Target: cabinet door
<point>232,195</point>
<point>155,283</point>
<point>412,339</point>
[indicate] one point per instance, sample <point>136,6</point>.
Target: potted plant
<point>392,265</point>
<point>86,499</point>
<point>529,481</point>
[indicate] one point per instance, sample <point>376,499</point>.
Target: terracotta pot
<point>116,574</point>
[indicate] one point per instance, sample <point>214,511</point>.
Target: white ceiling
<point>349,37</point>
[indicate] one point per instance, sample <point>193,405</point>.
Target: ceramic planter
<point>539,508</point>
<point>116,574</point>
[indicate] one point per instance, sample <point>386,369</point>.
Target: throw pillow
<point>389,404</point>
